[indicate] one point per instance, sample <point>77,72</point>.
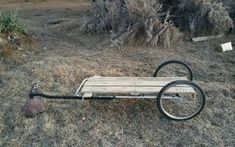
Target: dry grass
<point>219,17</point>
<point>106,123</point>
<point>72,56</point>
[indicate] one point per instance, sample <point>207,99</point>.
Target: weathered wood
<point>87,95</point>
<point>132,85</point>
<point>205,38</point>
<point>98,78</point>
<point>131,90</point>
<point>129,83</point>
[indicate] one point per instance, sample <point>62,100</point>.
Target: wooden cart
<point>177,98</point>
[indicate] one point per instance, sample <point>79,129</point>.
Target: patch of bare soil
<point>63,56</point>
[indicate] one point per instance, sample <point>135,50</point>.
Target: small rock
<point>44,48</point>
<point>33,106</point>
<point>83,118</point>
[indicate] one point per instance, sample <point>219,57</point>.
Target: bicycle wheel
<point>181,100</point>
<point>173,68</point>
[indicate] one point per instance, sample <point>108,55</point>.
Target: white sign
<point>227,46</point>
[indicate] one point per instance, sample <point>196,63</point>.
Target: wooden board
<point>205,38</point>
<point>101,79</point>
<point>132,85</point>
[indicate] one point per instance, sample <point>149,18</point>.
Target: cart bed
<point>131,85</point>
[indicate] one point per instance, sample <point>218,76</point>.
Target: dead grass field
<point>61,56</point>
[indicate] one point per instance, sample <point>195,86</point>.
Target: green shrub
<point>10,24</point>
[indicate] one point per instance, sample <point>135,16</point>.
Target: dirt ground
<point>61,56</point>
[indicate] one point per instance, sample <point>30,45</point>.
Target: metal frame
<point>80,87</point>
<point>79,96</point>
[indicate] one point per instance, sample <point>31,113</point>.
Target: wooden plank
<point>94,79</point>
<point>130,83</point>
<point>87,95</point>
<point>204,38</point>
<point>140,90</point>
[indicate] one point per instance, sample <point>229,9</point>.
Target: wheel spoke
<point>190,102</point>
<point>184,105</point>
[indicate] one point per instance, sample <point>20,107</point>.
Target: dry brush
<point>157,22</point>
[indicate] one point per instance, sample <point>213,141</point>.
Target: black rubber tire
<point>166,87</point>
<point>174,62</point>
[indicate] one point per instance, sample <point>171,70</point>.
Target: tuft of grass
<point>10,24</point>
